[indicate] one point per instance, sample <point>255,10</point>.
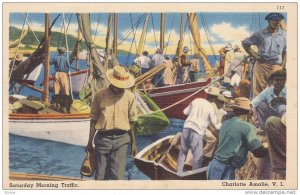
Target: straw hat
<point>241,103</point>
<point>227,94</point>
<point>19,57</point>
<point>221,98</point>
<point>212,91</point>
<point>120,77</point>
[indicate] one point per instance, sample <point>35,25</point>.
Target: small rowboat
<point>159,161</point>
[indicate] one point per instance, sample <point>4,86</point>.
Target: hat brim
<point>117,83</point>
<point>238,107</point>
<point>206,91</point>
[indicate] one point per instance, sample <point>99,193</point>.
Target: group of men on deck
<point>179,70</point>
<point>237,134</point>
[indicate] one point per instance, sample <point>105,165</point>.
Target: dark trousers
<point>111,154</point>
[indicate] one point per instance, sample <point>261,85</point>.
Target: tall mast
<point>162,30</point>
<point>181,34</point>
<point>79,37</point>
<point>47,59</point>
<point>115,51</point>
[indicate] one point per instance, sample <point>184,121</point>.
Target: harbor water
<point>29,155</point>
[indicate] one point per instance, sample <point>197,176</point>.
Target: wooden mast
<point>79,37</point>
<point>47,59</point>
<point>162,30</point>
<point>115,51</point>
<point>181,34</point>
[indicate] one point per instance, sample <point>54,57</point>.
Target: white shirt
<point>157,60</point>
<point>267,95</point>
<point>142,61</point>
<point>235,80</point>
<point>200,114</point>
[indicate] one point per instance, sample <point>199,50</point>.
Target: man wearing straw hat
<point>237,137</point>
<point>61,66</point>
<point>113,112</point>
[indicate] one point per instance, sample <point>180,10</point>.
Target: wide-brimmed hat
<point>19,57</point>
<point>227,94</point>
<point>241,103</point>
<point>221,98</point>
<point>272,16</point>
<point>228,47</point>
<point>61,49</point>
<point>120,77</point>
<point>185,49</point>
<point>212,91</point>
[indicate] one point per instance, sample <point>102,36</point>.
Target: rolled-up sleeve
<point>95,111</point>
<point>252,40</point>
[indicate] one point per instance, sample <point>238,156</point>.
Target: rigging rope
<point>170,34</point>
<point>31,30</point>
<point>252,25</point>
<point>154,31</point>
<point>205,27</point>
<point>126,35</point>
<point>133,40</point>
<point>97,27</point>
<point>67,53</point>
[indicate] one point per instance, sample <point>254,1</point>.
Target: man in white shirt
<point>200,113</point>
<point>157,60</point>
<point>271,101</point>
<point>143,61</point>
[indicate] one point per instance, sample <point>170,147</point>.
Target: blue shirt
<point>60,63</point>
<point>267,95</point>
<point>270,47</point>
<point>237,138</point>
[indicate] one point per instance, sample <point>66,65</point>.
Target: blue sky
<point>222,28</point>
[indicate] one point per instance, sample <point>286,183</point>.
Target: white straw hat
<point>120,77</point>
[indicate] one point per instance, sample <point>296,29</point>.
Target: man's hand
<point>277,100</point>
<point>89,148</point>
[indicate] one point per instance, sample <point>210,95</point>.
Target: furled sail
<point>142,39</point>
<point>98,79</point>
<point>193,25</point>
<point>27,66</point>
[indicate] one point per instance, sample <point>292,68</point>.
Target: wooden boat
<point>73,128</point>
<point>170,95</point>
<point>66,128</point>
<point>149,162</point>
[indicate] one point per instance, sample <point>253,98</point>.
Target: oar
<point>173,143</point>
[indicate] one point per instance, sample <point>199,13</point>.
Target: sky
<point>216,29</point>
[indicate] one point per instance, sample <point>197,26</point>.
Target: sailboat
<point>46,123</point>
<point>173,99</point>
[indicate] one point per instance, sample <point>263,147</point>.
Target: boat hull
<point>167,96</point>
<point>147,161</point>
<point>73,130</point>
